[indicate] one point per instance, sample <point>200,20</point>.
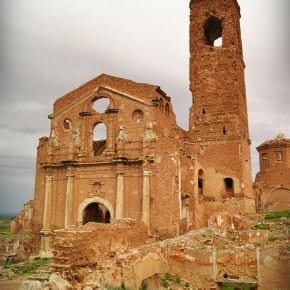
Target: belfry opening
<point>213,31</point>
<point>96,212</point>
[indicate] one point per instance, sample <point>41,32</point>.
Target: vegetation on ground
<point>170,280</point>
<point>272,238</point>
<point>270,217</point>
<point>28,266</point>
<point>262,226</point>
<point>277,214</point>
<point>5,225</point>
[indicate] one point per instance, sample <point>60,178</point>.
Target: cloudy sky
<point>49,47</point>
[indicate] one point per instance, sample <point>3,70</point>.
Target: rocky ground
<point>261,231</point>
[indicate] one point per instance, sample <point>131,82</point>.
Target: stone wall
<point>95,243</point>
<point>228,253</point>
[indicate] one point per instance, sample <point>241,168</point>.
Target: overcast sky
<point>49,47</point>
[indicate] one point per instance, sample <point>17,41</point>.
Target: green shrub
<point>277,214</point>
<point>272,239</point>
<point>169,278</point>
<point>257,245</point>
<point>30,266</point>
<point>262,226</point>
<point>4,230</point>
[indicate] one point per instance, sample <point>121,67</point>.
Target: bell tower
<point>218,120</point>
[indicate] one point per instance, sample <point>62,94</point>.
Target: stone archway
<point>278,198</point>
<point>96,212</point>
<point>95,209</point>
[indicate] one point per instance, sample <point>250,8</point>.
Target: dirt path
<point>13,284</point>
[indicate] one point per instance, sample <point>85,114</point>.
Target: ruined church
<point>115,150</point>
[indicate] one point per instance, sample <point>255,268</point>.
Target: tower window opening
<point>203,111</point>
<point>229,185</point>
<point>224,130</point>
<point>200,182</point>
<point>213,31</point>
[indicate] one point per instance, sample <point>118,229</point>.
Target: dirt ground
<point>13,284</point>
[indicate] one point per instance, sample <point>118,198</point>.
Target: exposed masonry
<point>115,150</point>
<point>272,184</point>
<point>115,156</point>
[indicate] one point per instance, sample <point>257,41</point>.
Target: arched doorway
<point>95,209</point>
<point>96,212</point>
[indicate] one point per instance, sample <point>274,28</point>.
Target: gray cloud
<point>49,47</point>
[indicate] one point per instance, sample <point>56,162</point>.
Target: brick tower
<point>218,116</point>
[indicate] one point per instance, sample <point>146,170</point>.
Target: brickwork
<point>272,184</point>
<point>218,116</point>
<point>115,150</point>
<point>205,259</point>
<point>95,244</point>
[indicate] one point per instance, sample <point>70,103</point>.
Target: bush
<point>5,231</point>
<point>262,226</point>
<point>30,266</point>
<point>277,214</point>
<point>272,239</point>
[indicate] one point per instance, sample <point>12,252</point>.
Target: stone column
<point>146,198</point>
<point>69,200</point>
<point>45,250</point>
<point>47,204</point>
<point>214,264</point>
<point>258,258</point>
<point>120,196</point>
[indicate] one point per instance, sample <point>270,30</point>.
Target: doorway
<point>96,212</point>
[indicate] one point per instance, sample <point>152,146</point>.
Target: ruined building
<point>115,150</point>
<point>272,184</point>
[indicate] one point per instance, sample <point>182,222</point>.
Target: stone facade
<point>115,150</point>
<point>272,184</point>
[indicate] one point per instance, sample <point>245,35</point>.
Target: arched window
<point>138,116</point>
<point>101,104</point>
<point>200,182</point>
<point>99,139</point>
<point>67,124</point>
<point>213,31</point>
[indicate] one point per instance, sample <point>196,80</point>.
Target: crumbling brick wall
<point>95,243</point>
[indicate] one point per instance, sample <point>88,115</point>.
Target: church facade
<point>115,150</point>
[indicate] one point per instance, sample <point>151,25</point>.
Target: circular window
<point>101,104</point>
